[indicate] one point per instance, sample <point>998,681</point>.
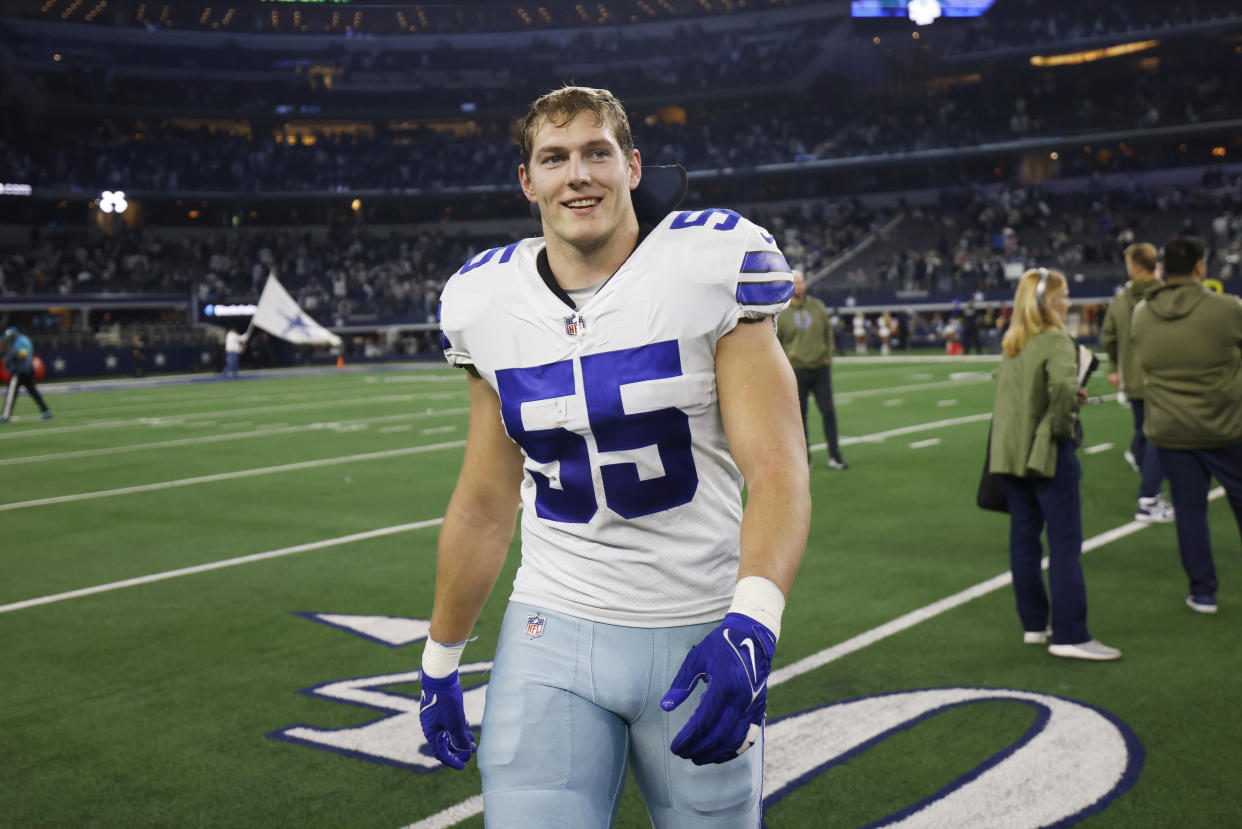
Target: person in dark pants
<point>970,330</point>
<point>1127,376</point>
<point>806,333</point>
<point>19,362</point>
<point>1034,422</point>
<point>1189,343</point>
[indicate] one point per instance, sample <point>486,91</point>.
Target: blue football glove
<point>734,661</point>
<point>443,717</point>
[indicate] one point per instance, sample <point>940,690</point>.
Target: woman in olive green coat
<point>1033,448</point>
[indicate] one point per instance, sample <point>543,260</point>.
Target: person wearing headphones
<point>1035,432</point>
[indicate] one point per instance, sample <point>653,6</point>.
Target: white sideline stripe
<point>219,565</point>
<point>262,431</point>
<point>1099,447</point>
<point>227,476</point>
<point>923,444</point>
<point>474,805</point>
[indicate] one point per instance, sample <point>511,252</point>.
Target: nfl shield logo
<point>534,626</point>
<point>574,325</point>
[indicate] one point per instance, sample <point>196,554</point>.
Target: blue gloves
<point>734,661</point>
<point>443,717</point>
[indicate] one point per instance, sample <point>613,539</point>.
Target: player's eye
<point>552,159</point>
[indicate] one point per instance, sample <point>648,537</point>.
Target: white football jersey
<point>632,502</point>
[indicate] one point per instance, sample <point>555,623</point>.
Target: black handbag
<point>991,494</point>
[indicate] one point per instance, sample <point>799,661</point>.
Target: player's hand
<point>1114,379</point>
<point>443,717</point>
<point>734,661</point>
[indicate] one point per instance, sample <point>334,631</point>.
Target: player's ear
<point>528,189</point>
<point>636,169</point>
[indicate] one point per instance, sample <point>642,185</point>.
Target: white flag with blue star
<point>279,314</point>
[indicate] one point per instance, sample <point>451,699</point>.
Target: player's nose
<point>577,170</point>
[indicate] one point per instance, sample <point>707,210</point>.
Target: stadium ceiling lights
<point>113,201</point>
<point>1090,55</point>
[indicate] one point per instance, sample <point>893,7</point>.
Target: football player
<point>19,360</point>
<point>625,382</point>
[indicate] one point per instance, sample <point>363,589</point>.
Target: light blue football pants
<point>569,708</point>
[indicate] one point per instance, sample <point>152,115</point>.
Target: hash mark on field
<point>922,376</point>
<point>1099,447</point>
<point>895,402</point>
<point>437,430</point>
<point>407,427</point>
<point>237,425</point>
<point>944,403</point>
<point>923,444</point>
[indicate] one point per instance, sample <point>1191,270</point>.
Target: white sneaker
<point>1154,510</point>
<point>833,463</point>
<point>1036,637</point>
<point>1129,456</point>
<point>1092,649</point>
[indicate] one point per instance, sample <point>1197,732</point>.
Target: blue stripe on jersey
<point>444,342</point>
<point>764,261</point>
<point>764,293</point>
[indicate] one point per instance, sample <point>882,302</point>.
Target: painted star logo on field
<point>59,365</point>
<point>160,359</point>
<point>297,321</point>
<point>110,361</point>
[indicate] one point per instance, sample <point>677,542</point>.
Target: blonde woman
<point>1033,425</point>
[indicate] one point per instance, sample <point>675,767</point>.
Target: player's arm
<point>478,525</point>
<point>474,539</point>
<point>759,407</point>
<point>758,403</point>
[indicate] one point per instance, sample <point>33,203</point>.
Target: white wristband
<point>761,600</point>
<point>440,660</point>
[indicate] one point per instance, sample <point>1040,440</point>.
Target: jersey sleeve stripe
<point>764,261</point>
<point>764,293</point>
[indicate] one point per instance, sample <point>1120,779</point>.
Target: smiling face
<point>581,179</point>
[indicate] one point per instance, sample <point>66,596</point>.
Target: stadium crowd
<point>710,137</point>
<point>1041,22</point>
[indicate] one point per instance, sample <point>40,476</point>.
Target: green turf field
<point>165,549</point>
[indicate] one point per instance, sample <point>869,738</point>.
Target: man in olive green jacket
<point>1127,376</point>
<point>1189,343</point>
<point>1036,394</point>
<point>806,334</point>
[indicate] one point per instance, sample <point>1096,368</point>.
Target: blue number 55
<point>603,375</point>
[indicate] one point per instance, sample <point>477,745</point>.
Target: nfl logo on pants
<point>534,626</point>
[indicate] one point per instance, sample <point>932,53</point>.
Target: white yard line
<point>938,384</point>
<point>474,806</point>
<point>1099,447</point>
<point>219,565</point>
<point>262,431</point>
<point>228,476</point>
<point>923,444</point>
<point>333,402</point>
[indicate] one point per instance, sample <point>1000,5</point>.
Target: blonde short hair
<point>1143,255</point>
<point>563,105</point>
